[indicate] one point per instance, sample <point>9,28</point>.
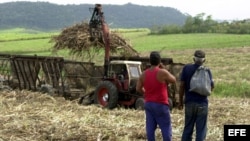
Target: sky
<point>218,9</point>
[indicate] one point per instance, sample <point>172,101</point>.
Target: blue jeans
<point>158,114</point>
<point>195,115</point>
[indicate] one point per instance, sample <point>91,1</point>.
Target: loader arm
<point>99,29</point>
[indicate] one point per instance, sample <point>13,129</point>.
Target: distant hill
<point>47,16</point>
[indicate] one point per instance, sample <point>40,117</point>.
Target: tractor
<point>119,87</point>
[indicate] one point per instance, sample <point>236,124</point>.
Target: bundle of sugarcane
<point>77,39</point>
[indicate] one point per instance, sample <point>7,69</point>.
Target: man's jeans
<point>158,114</point>
<point>195,115</point>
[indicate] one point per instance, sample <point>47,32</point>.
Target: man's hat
<point>199,54</point>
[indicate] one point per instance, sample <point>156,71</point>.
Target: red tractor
<point>119,86</point>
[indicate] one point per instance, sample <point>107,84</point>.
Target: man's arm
<point>181,94</point>
<point>211,77</point>
<point>167,76</point>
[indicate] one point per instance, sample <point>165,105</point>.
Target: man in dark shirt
<point>196,105</point>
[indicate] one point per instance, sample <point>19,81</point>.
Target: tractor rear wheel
<point>106,95</point>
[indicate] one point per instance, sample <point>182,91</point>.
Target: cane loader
<point>118,85</point>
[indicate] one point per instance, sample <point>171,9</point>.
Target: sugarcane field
<point>80,93</point>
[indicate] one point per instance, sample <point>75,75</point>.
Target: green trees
<point>205,24</point>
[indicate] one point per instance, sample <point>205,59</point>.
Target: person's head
<point>155,58</point>
<point>199,57</point>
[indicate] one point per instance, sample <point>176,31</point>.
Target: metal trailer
<point>53,75</point>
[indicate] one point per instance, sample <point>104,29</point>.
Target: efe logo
<point>236,132</point>
<point>239,132</point>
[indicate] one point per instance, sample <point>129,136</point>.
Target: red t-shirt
<point>155,91</point>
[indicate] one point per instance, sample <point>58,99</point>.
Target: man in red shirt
<point>153,84</point>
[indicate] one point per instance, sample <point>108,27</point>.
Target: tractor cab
<point>126,74</point>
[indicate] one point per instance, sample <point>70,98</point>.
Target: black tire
<point>170,103</point>
<point>106,95</point>
<point>48,89</point>
<point>87,100</point>
<point>139,104</point>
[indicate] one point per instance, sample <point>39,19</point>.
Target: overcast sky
<point>218,9</point>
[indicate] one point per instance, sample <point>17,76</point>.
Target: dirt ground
<point>39,117</point>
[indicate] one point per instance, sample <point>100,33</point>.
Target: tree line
<point>48,16</point>
<point>205,24</point>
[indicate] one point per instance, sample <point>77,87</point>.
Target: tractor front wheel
<point>106,95</point>
<point>139,104</point>
<point>170,103</point>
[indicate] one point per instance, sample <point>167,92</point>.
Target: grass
<point>140,40</point>
<point>23,41</point>
<point>235,89</point>
<point>143,42</point>
<point>21,33</point>
<point>40,47</point>
<point>227,54</point>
